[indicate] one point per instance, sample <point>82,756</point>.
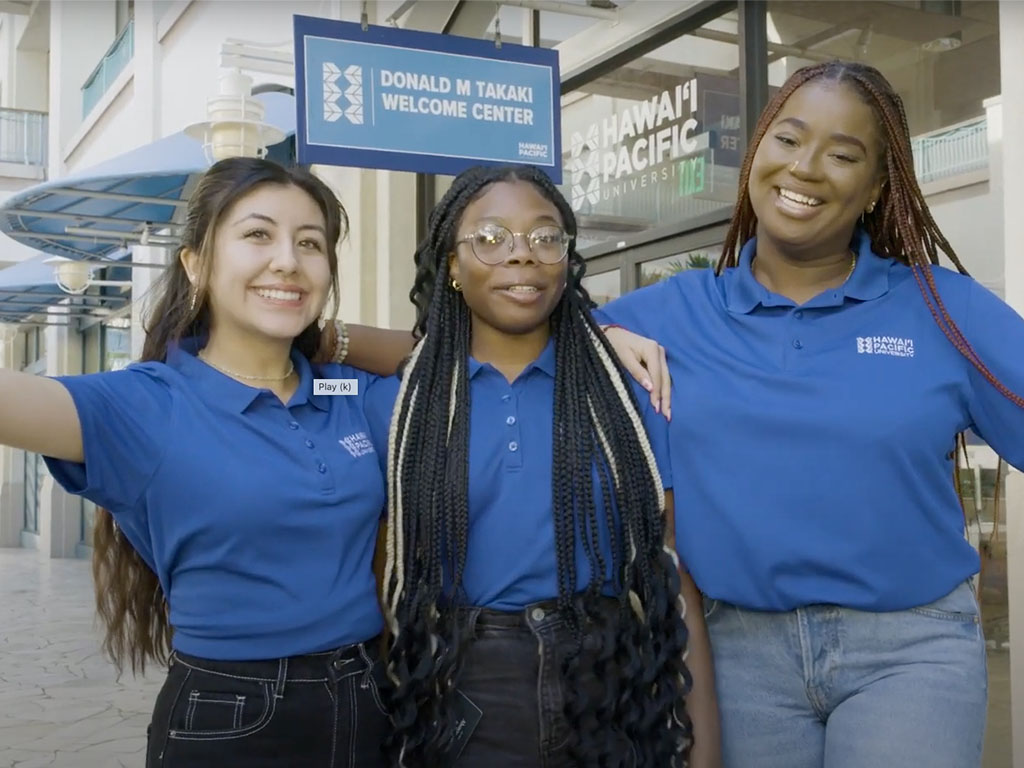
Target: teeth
<point>798,198</point>
<point>279,295</point>
<point>522,288</point>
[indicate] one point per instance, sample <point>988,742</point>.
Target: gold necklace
<point>291,369</point>
<point>853,266</point>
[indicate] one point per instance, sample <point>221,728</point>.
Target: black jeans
<point>324,710</point>
<point>512,671</point>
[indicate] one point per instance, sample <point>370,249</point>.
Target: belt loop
<point>369,666</point>
<point>282,676</point>
<point>472,617</point>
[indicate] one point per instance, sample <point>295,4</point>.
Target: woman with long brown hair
<point>243,506</point>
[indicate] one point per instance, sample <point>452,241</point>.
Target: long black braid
<point>635,659</point>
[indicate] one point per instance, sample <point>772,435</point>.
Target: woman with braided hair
<point>822,375</point>
<point>534,609</point>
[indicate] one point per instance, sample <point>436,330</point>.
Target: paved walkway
<point>61,705</point>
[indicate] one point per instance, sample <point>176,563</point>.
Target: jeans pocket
<point>960,605</point>
<point>212,707</point>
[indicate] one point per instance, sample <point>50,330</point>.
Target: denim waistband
<point>534,616</point>
<point>313,667</point>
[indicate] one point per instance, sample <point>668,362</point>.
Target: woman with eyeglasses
<point>534,609</point>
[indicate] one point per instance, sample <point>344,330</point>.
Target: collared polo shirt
<point>259,518</point>
<point>511,560</point>
<point>812,446</point>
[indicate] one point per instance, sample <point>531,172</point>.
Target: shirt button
<point>293,425</point>
<point>510,420</point>
<point>537,614</point>
<point>513,446</point>
<point>797,344</point>
<point>798,314</point>
<point>309,443</point>
<point>322,469</point>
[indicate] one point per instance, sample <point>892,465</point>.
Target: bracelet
<point>340,341</point>
<point>604,328</point>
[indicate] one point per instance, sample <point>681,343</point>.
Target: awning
<point>94,213</point>
<point>30,287</point>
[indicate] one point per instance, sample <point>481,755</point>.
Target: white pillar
<point>12,467</point>
<point>1011,21</point>
<point>60,513</point>
<point>143,279</point>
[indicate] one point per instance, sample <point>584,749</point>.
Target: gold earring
<point>871,206</point>
<point>456,286</point>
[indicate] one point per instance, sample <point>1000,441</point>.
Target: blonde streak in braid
<point>613,374</point>
<point>394,563</point>
<point>634,416</point>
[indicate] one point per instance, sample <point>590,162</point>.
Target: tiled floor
<point>61,706</point>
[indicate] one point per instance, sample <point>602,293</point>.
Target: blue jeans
<point>831,687</point>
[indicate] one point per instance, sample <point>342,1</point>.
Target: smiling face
<point>517,294</point>
<point>819,166</point>
<point>271,273</point>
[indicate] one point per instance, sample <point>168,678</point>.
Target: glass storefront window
<point>657,270</point>
<point>603,287</point>
<point>657,140</point>
<point>116,344</point>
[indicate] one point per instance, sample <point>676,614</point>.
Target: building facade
<point>84,81</point>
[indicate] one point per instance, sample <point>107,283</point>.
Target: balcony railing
<point>958,149</point>
<point>23,137</point>
<point>111,65</point>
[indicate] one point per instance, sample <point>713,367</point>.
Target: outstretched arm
<point>702,701</point>
<point>37,414</point>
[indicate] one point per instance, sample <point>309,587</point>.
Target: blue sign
<point>417,101</point>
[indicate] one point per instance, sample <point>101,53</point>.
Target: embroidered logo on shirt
<point>885,345</point>
<point>358,444</point>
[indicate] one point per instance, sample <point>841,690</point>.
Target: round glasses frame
<point>496,253</point>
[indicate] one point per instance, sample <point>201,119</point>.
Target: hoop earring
<point>456,286</point>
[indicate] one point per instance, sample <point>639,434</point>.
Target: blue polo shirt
<point>511,560</point>
<point>258,518</point>
<point>812,446</point>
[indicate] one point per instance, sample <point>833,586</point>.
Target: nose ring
<point>792,168</point>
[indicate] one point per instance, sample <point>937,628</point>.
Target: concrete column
<point>12,468</point>
<point>1011,21</point>
<point>357,253</point>
<point>60,513</point>
<point>143,279</point>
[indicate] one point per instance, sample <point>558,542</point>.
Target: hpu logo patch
<point>353,93</point>
<point>357,444</point>
<point>893,346</point>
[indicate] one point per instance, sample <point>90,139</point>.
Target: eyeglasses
<point>493,243</point>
